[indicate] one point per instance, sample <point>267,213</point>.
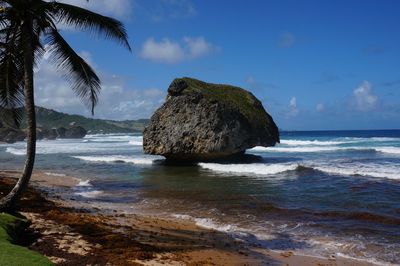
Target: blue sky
<point>313,64</point>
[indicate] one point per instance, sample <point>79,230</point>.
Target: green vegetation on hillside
<point>47,118</point>
<point>232,96</point>
<point>11,254</point>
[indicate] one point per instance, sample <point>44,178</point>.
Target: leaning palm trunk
<point>26,28</point>
<point>8,202</point>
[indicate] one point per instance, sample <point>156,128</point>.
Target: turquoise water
<point>320,192</point>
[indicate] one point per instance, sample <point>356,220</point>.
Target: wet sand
<point>76,233</point>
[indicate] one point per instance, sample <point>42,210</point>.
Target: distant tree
<point>26,28</point>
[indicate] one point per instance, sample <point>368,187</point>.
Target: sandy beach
<point>75,233</point>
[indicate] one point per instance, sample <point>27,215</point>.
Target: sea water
<point>319,193</point>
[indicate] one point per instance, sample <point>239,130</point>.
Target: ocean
<point>320,193</point>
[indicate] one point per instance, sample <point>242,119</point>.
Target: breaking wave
<point>334,168</point>
<point>15,151</point>
<point>116,159</point>
<point>294,142</point>
<point>311,149</point>
<point>371,170</point>
<point>136,142</point>
<point>256,168</point>
<point>390,150</point>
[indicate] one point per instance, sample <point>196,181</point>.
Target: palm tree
<point>27,29</point>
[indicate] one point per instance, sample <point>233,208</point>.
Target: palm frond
<point>84,81</point>
<point>11,90</point>
<point>12,117</point>
<point>87,20</point>
<point>11,76</point>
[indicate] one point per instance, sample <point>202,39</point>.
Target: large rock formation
<point>61,132</point>
<point>203,121</point>
<point>75,132</point>
<point>44,133</point>
<point>10,135</point>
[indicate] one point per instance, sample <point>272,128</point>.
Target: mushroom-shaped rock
<point>203,121</point>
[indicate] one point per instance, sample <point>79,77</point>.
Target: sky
<point>315,65</point>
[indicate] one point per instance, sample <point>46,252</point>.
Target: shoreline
<point>71,232</point>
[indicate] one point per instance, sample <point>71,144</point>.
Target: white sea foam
<point>254,168</point>
<point>319,247</point>
<point>305,149</point>
<point>391,171</point>
<point>209,223</point>
<point>115,138</point>
<point>364,139</point>
<point>84,183</point>
<point>89,194</point>
<point>116,158</point>
<point>111,139</point>
<point>391,150</point>
<point>372,170</point>
<point>108,136</point>
<point>136,142</point>
<point>182,216</point>
<point>312,149</point>
<point>384,139</point>
<point>66,146</point>
<point>54,174</point>
<point>294,142</point>
<point>16,151</point>
<point>98,135</point>
<point>368,260</point>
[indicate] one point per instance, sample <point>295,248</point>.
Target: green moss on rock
<point>234,97</point>
<point>12,254</point>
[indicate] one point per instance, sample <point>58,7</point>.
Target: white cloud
<point>168,51</point>
<point>116,101</point>
<point>293,110</point>
<point>320,107</point>
<point>171,9</point>
<point>197,47</point>
<point>286,40</point>
<point>114,8</point>
<point>165,51</point>
<point>364,97</point>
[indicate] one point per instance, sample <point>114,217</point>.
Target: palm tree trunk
<point>8,202</point>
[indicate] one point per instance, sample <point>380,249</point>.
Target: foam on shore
<point>84,183</point>
<point>54,174</point>
<point>89,194</point>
